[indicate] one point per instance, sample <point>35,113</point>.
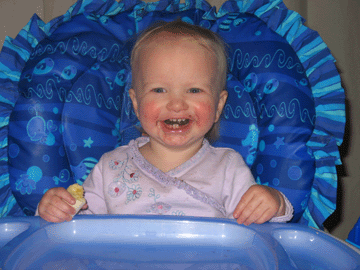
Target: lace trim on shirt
<point>192,160</point>
<point>289,211</point>
<point>165,179</point>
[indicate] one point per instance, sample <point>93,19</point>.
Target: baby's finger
<point>244,201</point>
<point>60,212</point>
<point>59,203</point>
<point>267,215</point>
<point>66,196</point>
<point>60,208</point>
<point>259,215</point>
<point>51,218</point>
<point>239,208</point>
<point>58,192</point>
<point>248,211</point>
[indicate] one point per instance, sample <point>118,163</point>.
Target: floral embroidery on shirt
<point>178,213</point>
<point>127,175</point>
<point>115,164</point>
<point>152,194</point>
<point>158,208</point>
<point>116,189</point>
<point>133,193</point>
<point>132,177</point>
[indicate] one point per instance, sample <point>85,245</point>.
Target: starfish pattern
<point>88,142</point>
<point>279,142</point>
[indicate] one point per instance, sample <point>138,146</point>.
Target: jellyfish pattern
<point>40,130</point>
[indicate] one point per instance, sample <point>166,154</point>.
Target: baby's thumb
<point>85,206</point>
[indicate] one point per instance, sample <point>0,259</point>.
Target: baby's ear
<point>221,104</point>
<point>132,95</point>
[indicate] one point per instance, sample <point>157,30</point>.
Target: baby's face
<point>176,93</point>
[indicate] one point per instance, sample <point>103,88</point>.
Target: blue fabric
<point>280,106</point>
<point>64,98</point>
<point>354,235</point>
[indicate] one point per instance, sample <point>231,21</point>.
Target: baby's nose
<point>177,104</point>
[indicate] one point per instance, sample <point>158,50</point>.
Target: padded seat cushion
<point>64,98</point>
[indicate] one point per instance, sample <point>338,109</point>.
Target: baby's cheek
<point>205,113</point>
<point>149,112</point>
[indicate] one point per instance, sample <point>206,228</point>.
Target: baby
<point>178,81</point>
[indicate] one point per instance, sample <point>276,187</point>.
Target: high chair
<point>64,98</point>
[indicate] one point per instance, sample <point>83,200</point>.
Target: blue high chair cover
<point>64,98</point>
<point>354,235</point>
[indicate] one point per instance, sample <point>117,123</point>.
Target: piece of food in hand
<point>77,192</point>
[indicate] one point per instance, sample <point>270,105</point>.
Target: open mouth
<point>176,123</point>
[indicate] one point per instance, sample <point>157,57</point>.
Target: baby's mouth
<point>176,123</point>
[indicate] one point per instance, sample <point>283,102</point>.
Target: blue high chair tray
<point>153,242</point>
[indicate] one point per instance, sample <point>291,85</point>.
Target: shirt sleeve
<point>94,191</point>
<point>238,179</point>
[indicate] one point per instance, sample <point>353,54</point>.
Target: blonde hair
<point>205,37</point>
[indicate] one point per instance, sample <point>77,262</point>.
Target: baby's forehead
<point>151,47</point>
<point>163,47</point>
<point>171,39</point>
<point>169,44</point>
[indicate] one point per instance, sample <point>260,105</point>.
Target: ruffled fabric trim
<point>328,95</point>
<point>312,51</point>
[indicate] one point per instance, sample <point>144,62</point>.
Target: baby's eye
<point>158,90</point>
<point>194,90</point>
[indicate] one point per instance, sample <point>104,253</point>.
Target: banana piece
<point>77,192</point>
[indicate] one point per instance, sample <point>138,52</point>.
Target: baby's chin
<point>175,138</point>
<point>180,141</point>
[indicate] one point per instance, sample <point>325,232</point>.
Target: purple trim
<point>167,180</point>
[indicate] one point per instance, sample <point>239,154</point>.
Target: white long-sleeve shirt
<point>210,184</point>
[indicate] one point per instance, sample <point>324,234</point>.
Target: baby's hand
<point>53,206</point>
<point>258,205</point>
